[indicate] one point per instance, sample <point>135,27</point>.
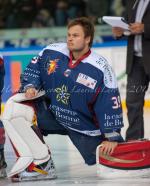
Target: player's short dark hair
<point>86,24</point>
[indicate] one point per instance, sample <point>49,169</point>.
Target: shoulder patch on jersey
<point>34,60</point>
<point>60,47</point>
<point>101,63</point>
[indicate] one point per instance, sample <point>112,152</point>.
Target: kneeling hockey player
<point>83,103</point>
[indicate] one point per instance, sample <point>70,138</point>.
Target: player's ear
<point>88,39</point>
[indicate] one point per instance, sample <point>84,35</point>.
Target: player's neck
<point>78,54</point>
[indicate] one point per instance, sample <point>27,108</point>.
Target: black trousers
<point>137,84</point>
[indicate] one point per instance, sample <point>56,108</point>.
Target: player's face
<point>76,39</point>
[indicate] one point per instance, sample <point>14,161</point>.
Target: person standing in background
<point>3,164</point>
<point>138,63</point>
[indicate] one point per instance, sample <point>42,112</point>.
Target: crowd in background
<point>46,13</point>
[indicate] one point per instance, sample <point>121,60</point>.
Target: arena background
<point>27,26</point>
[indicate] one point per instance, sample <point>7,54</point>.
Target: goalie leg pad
<point>17,120</point>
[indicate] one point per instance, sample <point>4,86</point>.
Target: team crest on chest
<point>52,65</point>
<point>62,94</point>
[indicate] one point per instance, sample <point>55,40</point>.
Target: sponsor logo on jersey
<point>67,72</point>
<point>86,81</point>
<point>62,94</point>
<point>52,66</point>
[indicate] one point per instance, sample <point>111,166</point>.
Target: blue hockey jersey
<point>84,96</point>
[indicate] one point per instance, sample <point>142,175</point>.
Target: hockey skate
<point>3,164</point>
<point>45,171</point>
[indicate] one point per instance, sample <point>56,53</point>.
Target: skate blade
<point>34,178</point>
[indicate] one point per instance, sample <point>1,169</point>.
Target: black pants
<point>137,84</point>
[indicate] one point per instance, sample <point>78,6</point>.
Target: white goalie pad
<point>17,119</point>
<point>129,160</point>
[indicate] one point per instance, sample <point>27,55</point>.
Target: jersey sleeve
<point>31,75</point>
<point>108,107</point>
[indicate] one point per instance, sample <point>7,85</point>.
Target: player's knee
<point>90,161</point>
